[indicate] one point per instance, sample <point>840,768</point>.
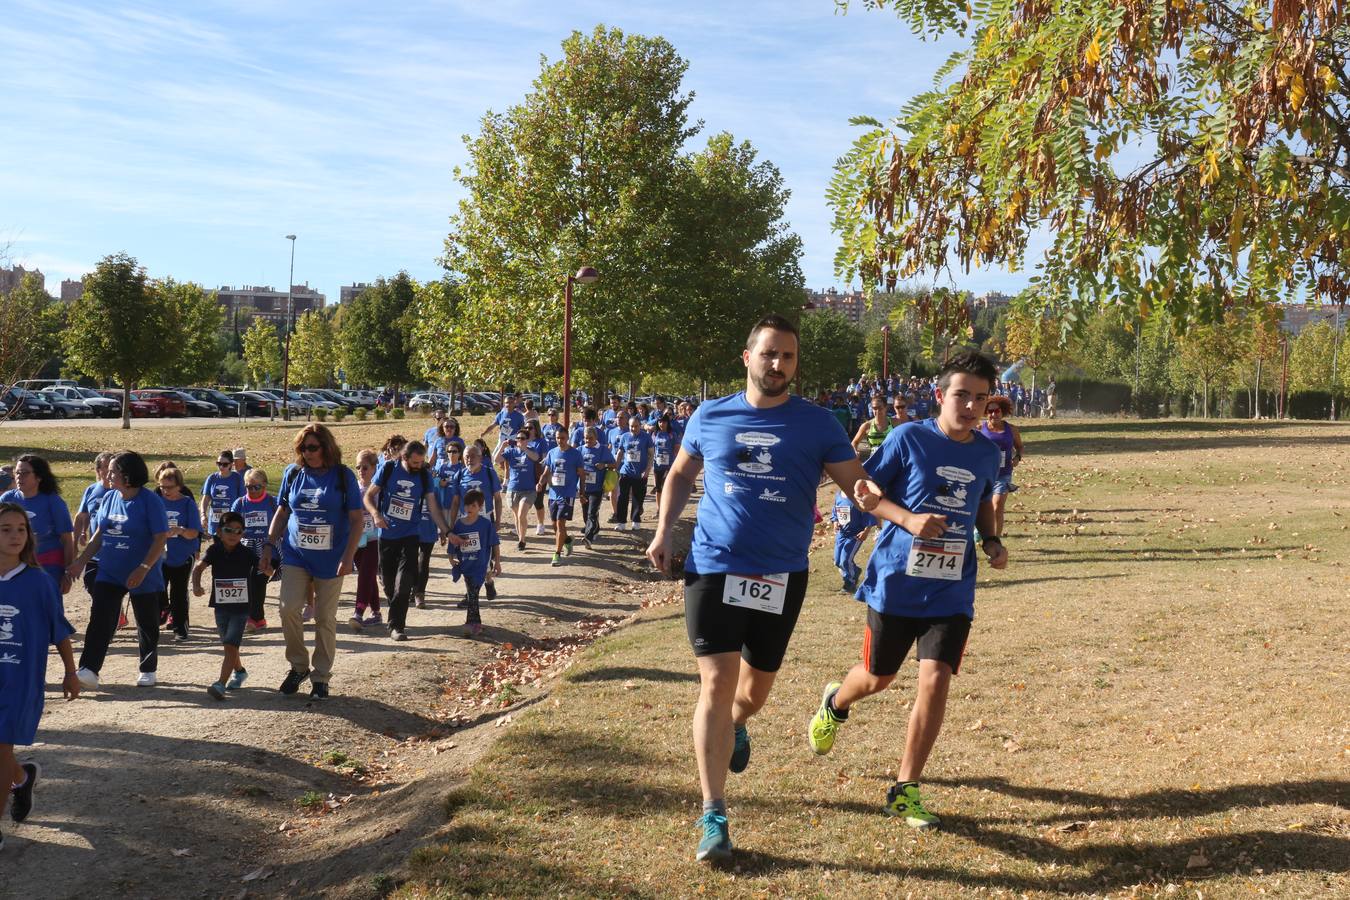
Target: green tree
<point>1206,354</point>
<point>1188,156</point>
<point>375,332</point>
<point>233,370</point>
<point>437,308</point>
<point>31,324</point>
<point>262,352</point>
<point>192,323</point>
<point>116,329</point>
<point>1311,357</point>
<point>313,350</point>
<point>830,347</point>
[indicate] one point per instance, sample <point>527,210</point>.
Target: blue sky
<point>195,135</point>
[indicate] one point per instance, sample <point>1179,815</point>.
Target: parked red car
<point>140,409</point>
<point>168,402</point>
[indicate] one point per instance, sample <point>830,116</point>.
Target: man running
<point>761,452</point>
<point>920,583</point>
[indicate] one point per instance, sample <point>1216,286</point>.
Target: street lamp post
<point>886,354</point>
<point>286,363</point>
<point>585,275</point>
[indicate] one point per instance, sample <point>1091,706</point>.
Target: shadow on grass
<point>625,673</point>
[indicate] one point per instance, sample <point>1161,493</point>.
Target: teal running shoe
<point>740,755</point>
<point>715,846</point>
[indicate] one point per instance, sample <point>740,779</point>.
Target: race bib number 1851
<point>765,593</point>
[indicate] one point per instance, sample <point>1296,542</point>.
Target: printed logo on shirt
<point>116,521</point>
<point>955,473</point>
<point>952,497</point>
<point>731,487</point>
<point>756,462</point>
<point>773,496</point>
<point>310,498</point>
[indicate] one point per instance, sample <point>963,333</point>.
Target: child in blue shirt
<point>851,526</point>
<point>474,537</point>
<point>31,618</point>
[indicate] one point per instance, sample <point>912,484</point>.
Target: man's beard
<point>768,387</point>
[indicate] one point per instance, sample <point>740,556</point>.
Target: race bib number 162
<point>764,593</point>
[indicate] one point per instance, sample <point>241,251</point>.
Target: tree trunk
<point>126,407</point>
<point>1256,404</point>
<point>1204,405</point>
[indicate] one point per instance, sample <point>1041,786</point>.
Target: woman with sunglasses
<point>872,432</point>
<point>317,526</point>
<point>222,488</point>
<point>184,538</point>
<point>367,551</point>
<point>36,490</point>
<point>447,436</point>
<point>131,529</point>
<point>257,507</point>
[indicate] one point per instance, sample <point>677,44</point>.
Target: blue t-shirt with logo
<point>48,516</point>
<point>485,480</point>
<point>317,531</point>
<point>32,619</point>
<point>508,423</point>
<point>609,418</point>
<point>400,499</point>
<point>519,469</point>
<point>664,446</point>
<point>446,473</point>
<point>475,555</point>
<point>761,468</point>
<point>550,432</point>
<point>633,453</point>
<point>182,513</point>
<point>221,491</point>
<point>923,470</point>
<point>590,457</point>
<point>563,472</point>
<point>129,528</point>
<point>257,519</point>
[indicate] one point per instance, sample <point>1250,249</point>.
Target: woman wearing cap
<point>317,527</point>
<point>221,489</point>
<point>131,530</point>
<point>37,492</point>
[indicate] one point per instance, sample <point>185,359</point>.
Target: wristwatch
<point>991,539</point>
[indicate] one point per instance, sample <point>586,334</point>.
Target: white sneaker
<point>87,678</point>
<point>540,530</point>
<point>146,679</point>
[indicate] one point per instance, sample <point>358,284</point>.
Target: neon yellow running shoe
<point>824,724</point>
<point>903,801</point>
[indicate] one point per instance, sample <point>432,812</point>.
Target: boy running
<point>920,584</point>
<point>562,469</point>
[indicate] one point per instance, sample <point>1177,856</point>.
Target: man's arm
<point>853,480</point>
<point>371,501</point>
<point>674,496</point>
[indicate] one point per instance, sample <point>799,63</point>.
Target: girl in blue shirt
<point>184,539</point>
<point>36,490</point>
<point>258,508</point>
<point>665,444</point>
<point>31,619</point>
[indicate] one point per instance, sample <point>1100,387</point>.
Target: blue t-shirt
<point>633,453</point>
<point>923,470</point>
<point>93,495</point>
<point>611,439</point>
<point>564,469</point>
<point>577,436</point>
<point>590,457</point>
<point>48,516</point>
<point>519,469</point>
<point>508,423</point>
<point>439,448</point>
<point>32,618</point>
<point>400,498</point>
<point>608,419</point>
<point>182,513</point>
<point>430,437</point>
<point>852,520</point>
<point>485,480</point>
<point>665,444</point>
<point>257,519</point>
<point>550,432</point>
<point>446,473</point>
<point>221,491</point>
<point>129,528</point>
<point>317,531</point>
<point>475,555</point>
<point>427,532</point>
<point>761,468</point>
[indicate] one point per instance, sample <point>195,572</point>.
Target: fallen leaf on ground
<point>257,875</point>
<point>183,852</point>
<point>1198,860</point>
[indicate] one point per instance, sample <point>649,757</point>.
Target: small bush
<point>380,413</point>
<point>321,414</point>
<point>398,412</point>
<point>339,414</point>
<point>360,413</point>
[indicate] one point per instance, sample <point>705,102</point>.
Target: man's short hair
<point>772,321</point>
<point>967,362</point>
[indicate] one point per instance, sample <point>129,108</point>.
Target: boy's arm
<point>197,589</point>
<point>70,685</point>
<point>992,546</point>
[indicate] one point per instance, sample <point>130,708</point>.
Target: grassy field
<point>1153,702</point>
<point>195,444</point>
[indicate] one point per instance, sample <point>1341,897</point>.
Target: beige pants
<point>295,585</point>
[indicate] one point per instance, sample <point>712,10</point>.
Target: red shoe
<point>122,620</point>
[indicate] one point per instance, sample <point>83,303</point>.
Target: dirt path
<point>165,792</point>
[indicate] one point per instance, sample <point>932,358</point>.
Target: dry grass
<point>1153,702</point>
<point>194,444</point>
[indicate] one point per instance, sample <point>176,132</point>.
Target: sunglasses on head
<point>231,529</point>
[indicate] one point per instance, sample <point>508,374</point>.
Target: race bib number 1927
<point>231,590</point>
<point>764,593</point>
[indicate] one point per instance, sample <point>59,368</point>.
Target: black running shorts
<point>760,637</point>
<point>887,640</point>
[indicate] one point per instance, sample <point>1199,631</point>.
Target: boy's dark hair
<point>132,467</point>
<point>473,496</point>
<point>232,516</point>
<point>968,362</point>
<point>590,414</point>
<point>775,322</point>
